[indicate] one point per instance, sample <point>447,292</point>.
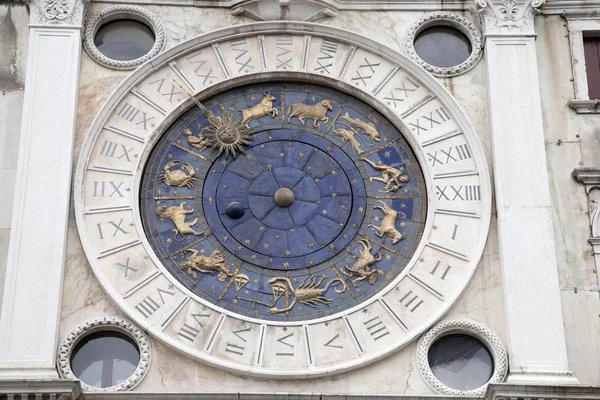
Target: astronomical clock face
<point>283,227</point>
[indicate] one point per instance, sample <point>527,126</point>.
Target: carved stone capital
<point>57,12</point>
<point>513,17</point>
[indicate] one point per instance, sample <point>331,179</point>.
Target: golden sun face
<point>227,135</point>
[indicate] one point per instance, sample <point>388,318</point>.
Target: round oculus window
<point>461,362</point>
<point>443,46</point>
<point>124,39</point>
<point>104,359</point>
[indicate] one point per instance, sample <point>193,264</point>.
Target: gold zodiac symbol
<point>392,177</point>
<point>177,215</point>
<point>361,266</point>
<point>367,127</point>
<point>265,107</point>
<point>179,177</point>
<point>215,262</point>
<point>388,223</point>
<point>316,112</point>
<point>200,142</point>
<point>308,292</point>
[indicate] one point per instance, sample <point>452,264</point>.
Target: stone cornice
<point>508,17</point>
<point>57,12</point>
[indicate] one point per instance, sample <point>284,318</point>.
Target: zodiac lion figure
<point>361,266</point>
<point>388,223</point>
<point>390,176</point>
<point>177,215</point>
<point>265,107</point>
<point>308,292</point>
<point>200,142</point>
<point>316,112</point>
<point>215,262</point>
<point>179,177</point>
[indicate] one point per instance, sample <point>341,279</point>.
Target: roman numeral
<point>376,328</point>
<point>454,232</point>
<point>112,224</point>
<point>332,344</point>
<point>172,91</point>
<point>282,341</point>
<point>189,332</point>
<point>129,113</point>
<point>240,47</point>
<point>401,93</point>
<point>463,193</point>
<point>411,301</point>
<point>284,43</point>
<point>452,154</point>
<point>327,54</point>
<point>427,122</point>
<point>366,69</point>
<point>107,189</point>
<point>444,270</point>
<point>109,149</point>
<point>126,266</point>
<point>148,306</point>
<point>237,349</point>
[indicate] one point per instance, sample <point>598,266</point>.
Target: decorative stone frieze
<point>57,12</point>
<point>284,10</point>
<point>114,324</point>
<point>468,327</point>
<point>508,16</point>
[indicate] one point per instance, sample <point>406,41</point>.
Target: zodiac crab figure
<point>179,177</point>
<point>388,223</point>
<point>308,292</point>
<point>390,176</point>
<point>177,215</point>
<point>215,262</point>
<point>361,266</point>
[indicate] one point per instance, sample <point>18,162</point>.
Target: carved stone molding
<point>57,12</point>
<point>508,16</point>
<point>468,327</point>
<point>123,326</point>
<point>284,10</point>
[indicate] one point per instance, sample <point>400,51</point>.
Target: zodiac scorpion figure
<point>215,262</point>
<point>361,266</point>
<point>179,177</point>
<point>265,107</point>
<point>308,292</point>
<point>177,215</point>
<point>390,176</point>
<point>388,223</point>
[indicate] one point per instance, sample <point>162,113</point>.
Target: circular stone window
<point>124,40</point>
<point>443,46</point>
<point>123,37</point>
<point>443,43</point>
<point>107,355</point>
<point>461,362</point>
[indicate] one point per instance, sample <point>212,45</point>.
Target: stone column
<point>533,310</point>
<point>31,305</point>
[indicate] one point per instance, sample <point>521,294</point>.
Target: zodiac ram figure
<point>316,112</point>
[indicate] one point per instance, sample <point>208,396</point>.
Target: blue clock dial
<point>308,203</point>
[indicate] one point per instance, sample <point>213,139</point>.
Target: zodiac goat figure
<point>388,223</point>
<point>308,292</point>
<point>361,266</point>
<point>177,215</point>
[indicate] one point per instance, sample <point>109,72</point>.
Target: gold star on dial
<point>354,182</point>
<point>169,240</point>
<point>334,195</point>
<point>324,212</point>
<point>343,207</point>
<point>266,246</point>
<point>309,168</point>
<point>287,253</point>
<point>211,200</point>
<point>333,172</point>
<point>332,246</point>
<point>317,180</point>
<point>311,245</point>
<point>300,155</point>
<point>403,224</point>
<point>276,237</point>
<point>247,242</point>
<point>361,210</point>
<point>253,256</point>
<point>262,229</point>
<point>256,281</point>
<point>282,155</point>
<point>286,265</point>
<point>225,238</point>
<point>292,230</point>
<point>170,156</point>
<point>269,167</point>
<point>388,257</point>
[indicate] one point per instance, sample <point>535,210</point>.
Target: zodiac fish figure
<point>308,292</point>
<point>388,223</point>
<point>316,112</point>
<point>390,176</point>
<point>200,142</point>
<point>179,177</point>
<point>361,266</point>
<point>177,215</point>
<point>265,107</point>
<point>367,127</point>
<point>215,262</point>
<point>348,136</point>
